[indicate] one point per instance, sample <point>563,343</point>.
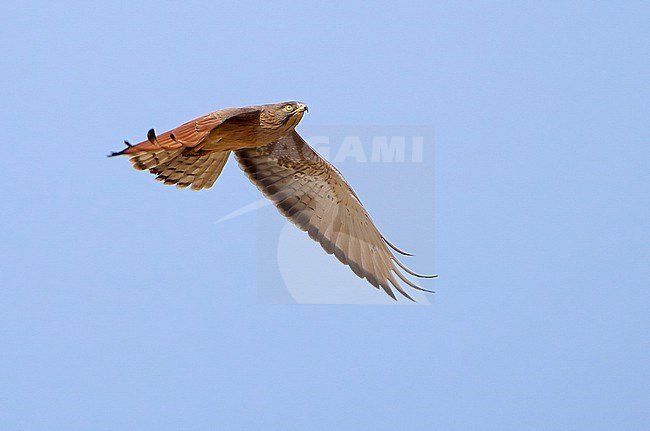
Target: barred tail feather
<point>195,170</point>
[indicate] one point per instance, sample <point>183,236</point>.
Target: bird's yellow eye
<point>288,108</point>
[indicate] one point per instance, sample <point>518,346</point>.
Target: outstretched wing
<point>176,157</point>
<point>190,134</point>
<point>314,196</point>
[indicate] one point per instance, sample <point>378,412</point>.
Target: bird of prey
<point>304,187</point>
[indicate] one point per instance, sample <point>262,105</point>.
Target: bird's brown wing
<point>175,156</point>
<point>190,134</point>
<point>314,196</point>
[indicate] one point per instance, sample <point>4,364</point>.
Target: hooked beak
<point>302,107</point>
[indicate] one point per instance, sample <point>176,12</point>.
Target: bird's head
<point>284,115</point>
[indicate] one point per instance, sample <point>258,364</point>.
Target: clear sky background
<point>124,306</point>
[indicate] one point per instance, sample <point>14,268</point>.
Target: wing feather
<point>190,134</point>
<point>314,196</point>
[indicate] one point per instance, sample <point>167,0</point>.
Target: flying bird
<point>304,187</point>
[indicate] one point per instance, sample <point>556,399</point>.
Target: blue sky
<point>124,305</point>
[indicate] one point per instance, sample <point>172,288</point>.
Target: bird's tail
<point>196,169</point>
